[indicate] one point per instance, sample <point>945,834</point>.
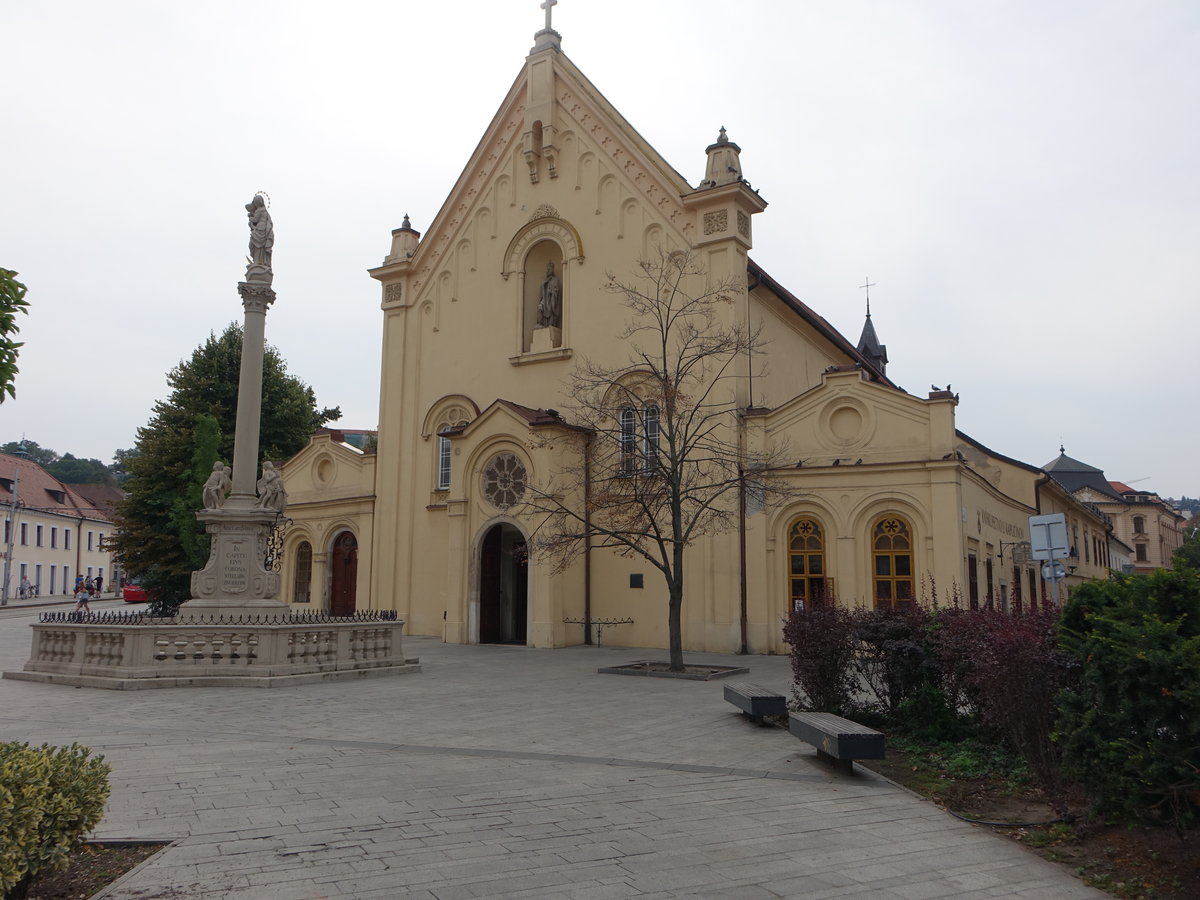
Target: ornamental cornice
<point>474,183</point>
<point>636,169</point>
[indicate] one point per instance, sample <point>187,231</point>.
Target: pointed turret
<point>869,346</point>
<point>724,162</point>
<point>404,242</point>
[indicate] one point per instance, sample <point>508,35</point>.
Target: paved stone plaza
<point>500,772</point>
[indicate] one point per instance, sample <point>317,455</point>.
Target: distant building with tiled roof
<point>52,531</point>
<point>1141,520</point>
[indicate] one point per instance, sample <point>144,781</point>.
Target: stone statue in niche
<point>271,494</point>
<point>549,308</point>
<point>217,486</point>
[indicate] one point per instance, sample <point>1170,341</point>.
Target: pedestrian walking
<point>81,600</point>
<point>26,589</point>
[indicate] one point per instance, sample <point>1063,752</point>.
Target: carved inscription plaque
<point>235,573</point>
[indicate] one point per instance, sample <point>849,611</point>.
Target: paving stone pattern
<point>501,772</point>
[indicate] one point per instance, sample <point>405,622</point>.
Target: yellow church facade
<point>487,315</point>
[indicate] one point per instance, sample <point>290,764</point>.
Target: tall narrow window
<point>302,586</point>
<point>53,539</point>
<point>443,472</point>
<point>991,585</point>
<point>973,580</point>
<point>39,535</point>
<point>806,564</point>
<point>891,543</point>
<point>628,439</point>
<point>66,539</point>
<point>650,436</point>
<point>1016,590</point>
<point>24,534</point>
<point>451,419</point>
<point>1033,590</point>
<point>1139,525</point>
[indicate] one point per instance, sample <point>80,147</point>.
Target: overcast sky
<point>1020,179</point>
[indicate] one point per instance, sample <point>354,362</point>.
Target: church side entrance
<point>343,575</point>
<point>503,583</point>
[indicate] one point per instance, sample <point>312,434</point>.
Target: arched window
<point>302,583</point>
<point>891,550</point>
<point>806,564</point>
<point>650,435</point>
<point>628,439</point>
<point>628,436</point>
<point>455,417</point>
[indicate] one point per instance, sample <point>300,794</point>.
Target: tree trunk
<point>675,613</point>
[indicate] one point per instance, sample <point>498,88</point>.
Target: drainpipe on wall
<point>745,648</point>
<point>587,539</point>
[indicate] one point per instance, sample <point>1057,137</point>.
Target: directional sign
<point>1048,537</point>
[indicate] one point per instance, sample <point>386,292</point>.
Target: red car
<point>135,593</point>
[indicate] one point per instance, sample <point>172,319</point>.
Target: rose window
<point>504,481</point>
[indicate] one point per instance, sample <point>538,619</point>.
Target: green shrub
<point>50,797</point>
<point>1130,732</point>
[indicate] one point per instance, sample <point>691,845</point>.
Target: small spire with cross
<point>867,285</point>
<point>547,37</point>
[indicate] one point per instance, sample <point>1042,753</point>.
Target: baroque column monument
<point>235,577</point>
<point>234,631</point>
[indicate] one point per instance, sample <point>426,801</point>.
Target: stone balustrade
<point>132,652</point>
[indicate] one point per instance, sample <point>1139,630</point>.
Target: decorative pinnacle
<point>722,138</point>
<point>406,224</point>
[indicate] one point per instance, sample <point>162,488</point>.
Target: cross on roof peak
<point>867,285</point>
<point>548,6</point>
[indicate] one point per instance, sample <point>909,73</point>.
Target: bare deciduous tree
<point>664,459</point>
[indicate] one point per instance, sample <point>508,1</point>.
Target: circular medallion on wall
<point>846,422</point>
<point>504,480</point>
<point>323,470</point>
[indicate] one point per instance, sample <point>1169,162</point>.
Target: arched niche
<point>540,254</point>
<point>543,296</point>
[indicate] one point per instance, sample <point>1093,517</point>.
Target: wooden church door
<point>344,575</point>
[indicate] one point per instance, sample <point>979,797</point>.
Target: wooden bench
<point>755,701</point>
<point>836,739</point>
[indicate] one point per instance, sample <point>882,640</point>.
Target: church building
<point>489,314</point>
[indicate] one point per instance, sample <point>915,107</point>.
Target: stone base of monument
<point>135,651</point>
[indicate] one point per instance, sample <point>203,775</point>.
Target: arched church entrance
<point>343,570</point>
<point>503,586</point>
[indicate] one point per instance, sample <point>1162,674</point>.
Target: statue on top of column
<point>262,232</point>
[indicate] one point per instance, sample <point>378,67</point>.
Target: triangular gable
<point>328,468</point>
<point>583,123</point>
<point>505,416</point>
<point>848,418</point>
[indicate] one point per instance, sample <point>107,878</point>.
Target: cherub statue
<point>271,494</point>
<point>217,486</point>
